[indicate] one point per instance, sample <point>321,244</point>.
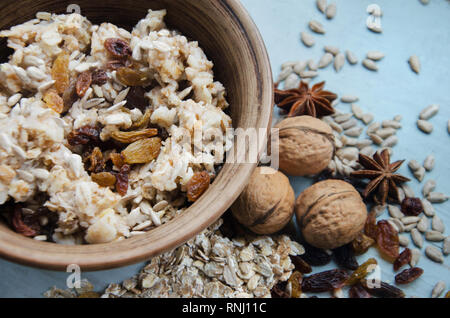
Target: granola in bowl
<point>93,127</point>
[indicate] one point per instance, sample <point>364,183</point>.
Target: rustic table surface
<point>408,28</point>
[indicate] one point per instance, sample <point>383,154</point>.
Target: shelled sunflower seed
<point>386,132</point>
<point>292,81</point>
<point>370,65</point>
<point>285,72</point>
<point>434,236</point>
<point>312,65</point>
<point>419,174</point>
<point>307,39</point>
<point>391,124</point>
<point>316,27</point>
<point>352,122</point>
<point>437,224</point>
<point>423,224</point>
<point>357,111</point>
<point>434,254</point>
<point>429,162</point>
<point>415,257</point>
<point>339,62</point>
<point>325,60</point>
<point>367,118</point>
<point>321,5</point>
<point>403,240</point>
<point>438,289</point>
<point>417,238</point>
<point>375,55</point>
<point>425,126</point>
<point>397,225</point>
<point>407,220</point>
<point>351,57</point>
<point>375,10</point>
<point>300,66</point>
<point>428,208</point>
<point>414,63</point>
<point>349,99</point>
<point>429,112</point>
<point>414,165</point>
<point>331,10</point>
<point>334,50</point>
<point>375,138</point>
<point>394,211</point>
<point>353,132</point>
<point>308,74</point>
<point>446,246</point>
<point>437,197</point>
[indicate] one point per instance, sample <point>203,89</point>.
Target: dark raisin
<point>357,291</point>
<point>412,206</point>
<point>118,47</point>
<point>84,135</point>
<point>403,259</point>
<point>325,281</point>
<point>99,77</point>
<point>70,95</point>
<point>382,289</point>
<point>315,256</point>
<point>408,275</point>
<point>122,180</point>
<point>370,228</point>
<point>136,98</point>
<point>300,265</point>
<point>279,290</point>
<point>21,224</point>
<point>345,257</point>
<point>116,64</point>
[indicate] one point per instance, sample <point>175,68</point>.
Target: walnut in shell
<point>267,203</point>
<point>306,145</point>
<point>330,214</point>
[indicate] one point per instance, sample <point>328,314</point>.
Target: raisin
<point>382,289</point>
<point>296,284</point>
<point>84,135</point>
<point>131,77</point>
<point>357,291</point>
<point>84,81</point>
<point>198,184</point>
<point>142,151</point>
<point>70,95</point>
<point>95,161</point>
<point>345,257</point>
<point>387,240</point>
<point>136,98</point>
<point>19,225</point>
<point>412,206</point>
<point>362,271</point>
<point>54,101</point>
<point>403,259</point>
<point>118,48</point>
<point>104,179</point>
<point>315,256</point>
<point>116,64</point>
<point>408,275</point>
<point>324,281</point>
<point>370,228</point>
<point>122,180</point>
<point>300,264</point>
<point>362,243</point>
<point>60,72</point>
<point>117,159</point>
<point>279,290</point>
<point>99,77</point>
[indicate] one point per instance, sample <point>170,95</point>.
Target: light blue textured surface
<point>409,28</point>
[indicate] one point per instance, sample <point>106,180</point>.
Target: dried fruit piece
<point>387,240</point>
<point>362,271</point>
<point>412,206</point>
<point>345,257</point>
<point>357,291</point>
<point>118,48</point>
<point>382,289</point>
<point>97,164</point>
<point>104,179</point>
<point>122,180</point>
<point>128,137</point>
<point>54,101</point>
<point>116,64</point>
<point>315,256</point>
<point>370,229</point>
<point>99,77</point>
<point>296,284</point>
<point>300,264</point>
<point>325,281</point>
<point>84,81</point>
<point>144,120</point>
<point>19,225</point>
<point>60,72</point>
<point>408,275</point>
<point>117,159</point>
<point>142,151</point>
<point>84,135</point>
<point>362,243</point>
<point>136,98</point>
<point>279,290</point>
<point>70,95</point>
<point>198,184</point>
<point>131,77</point>
<point>403,259</point>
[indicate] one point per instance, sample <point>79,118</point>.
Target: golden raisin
<point>296,284</point>
<point>142,151</point>
<point>54,101</point>
<point>104,179</point>
<point>198,184</point>
<point>362,271</point>
<point>84,81</point>
<point>144,120</point>
<point>362,243</point>
<point>128,137</point>
<point>60,72</point>
<point>131,77</point>
<point>117,159</point>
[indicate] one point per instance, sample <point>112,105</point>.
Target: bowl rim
<point>16,248</point>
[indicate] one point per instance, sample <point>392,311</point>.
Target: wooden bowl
<point>231,40</point>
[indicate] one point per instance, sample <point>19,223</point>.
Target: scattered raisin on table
<point>387,240</point>
<point>296,284</point>
<point>315,256</point>
<point>403,259</point>
<point>362,271</point>
<point>345,257</point>
<point>370,228</point>
<point>412,206</point>
<point>279,290</point>
<point>357,291</point>
<point>300,264</point>
<point>382,289</point>
<point>362,243</point>
<point>325,281</point>
<point>408,275</point>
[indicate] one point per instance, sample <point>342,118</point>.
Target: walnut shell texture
<point>330,214</point>
<point>267,203</point>
<point>306,145</point>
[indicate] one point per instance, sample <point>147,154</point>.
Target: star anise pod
<point>382,173</point>
<point>305,101</point>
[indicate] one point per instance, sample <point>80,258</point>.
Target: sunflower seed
<point>312,65</point>
<point>288,64</point>
<point>390,142</point>
<point>373,127</point>
<point>375,55</point>
<point>417,238</point>
<point>336,127</point>
<point>434,254</point>
<point>308,74</point>
<point>367,118</point>
<point>437,224</point>
<point>401,194</point>
<point>362,143</point>
<point>376,139</point>
<point>351,57</point>
<point>415,257</point>
<point>386,132</point>
<point>321,5</point>
<point>370,65</point>
<point>325,60</point>
<point>307,39</point>
<point>300,66</point>
<point>330,11</point>
<point>419,174</point>
<point>357,111</point>
<point>316,26</point>
<point>425,2</point>
<point>428,208</point>
<point>414,165</point>
<point>339,62</point>
<point>349,153</point>
<point>352,122</point>
<point>423,224</point>
<point>434,236</point>
<point>398,224</point>
<point>414,63</point>
<point>437,197</point>
<point>349,99</point>
<point>398,118</point>
<point>284,74</point>
<point>378,210</point>
<point>425,126</point>
<point>331,49</point>
<point>446,246</point>
<point>429,112</point>
<point>292,81</point>
<point>438,289</point>
<point>342,118</point>
<point>409,192</point>
<point>395,212</point>
<point>410,220</point>
<point>403,240</point>
<point>368,151</point>
<point>429,162</point>
<point>396,227</point>
<point>353,132</point>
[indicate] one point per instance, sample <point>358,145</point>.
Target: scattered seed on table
<point>398,118</point>
<point>316,26</point>
<point>414,63</point>
<point>342,118</point>
<point>299,67</point>
<point>292,81</point>
<point>415,257</point>
<point>339,62</point>
<point>349,99</point>
<point>429,112</point>
<point>417,238</point>
<point>438,289</point>
<point>423,224</point>
<point>428,208</point>
<point>403,240</point>
<point>336,127</point>
<point>375,55</point>
<point>334,50</point>
<point>357,111</point>
<point>367,118</point>
<point>437,224</point>
<point>308,74</point>
<point>395,212</point>
<point>370,65</point>
<point>434,236</point>
<point>307,39</point>
<point>425,126</point>
<point>419,174</point>
<point>429,162</point>
<point>376,139</point>
<point>395,225</point>
<point>325,60</point>
<point>446,246</point>
<point>284,74</point>
<point>437,197</point>
<point>288,64</point>
<point>386,132</point>
<point>312,65</point>
<point>409,192</point>
<point>407,220</point>
<point>321,5</point>
<point>390,142</point>
<point>391,124</point>
<point>351,57</point>
<point>353,132</point>
<point>434,254</point>
<point>352,122</point>
<point>373,127</point>
<point>330,11</point>
<point>414,165</point>
<point>362,143</point>
<point>368,151</point>
<point>401,194</point>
